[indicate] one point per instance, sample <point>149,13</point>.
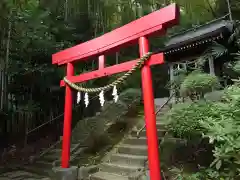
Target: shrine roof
<point>211,31</point>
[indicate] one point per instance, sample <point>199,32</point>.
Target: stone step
<point>44,172</point>
<point>107,176</point>
<point>165,107</point>
<point>160,133</point>
<point>36,179</point>
<point>121,169</point>
<point>161,113</point>
<point>143,140</point>
<point>127,159</point>
<point>160,124</point>
<point>136,141</point>
<point>132,150</point>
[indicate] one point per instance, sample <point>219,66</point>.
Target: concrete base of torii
<point>65,173</point>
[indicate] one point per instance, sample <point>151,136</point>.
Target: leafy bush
<point>232,94</point>
<point>236,67</point>
<point>202,174</point>
<point>219,122</point>
<point>183,119</point>
<point>224,131</point>
<point>198,83</point>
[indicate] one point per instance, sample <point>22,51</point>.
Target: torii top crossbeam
<point>154,23</point>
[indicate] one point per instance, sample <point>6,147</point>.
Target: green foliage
<point>198,83</point>
<point>203,173</point>
<point>223,130</point>
<point>130,94</point>
<point>179,174</point>
<point>179,76</point>
<point>214,51</point>
<point>183,119</point>
<point>217,121</point>
<point>232,94</point>
<point>216,117</point>
<point>236,67</point>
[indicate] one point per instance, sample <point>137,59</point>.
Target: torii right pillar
<point>149,112</point>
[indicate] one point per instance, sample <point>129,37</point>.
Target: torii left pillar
<point>65,172</point>
<point>136,32</point>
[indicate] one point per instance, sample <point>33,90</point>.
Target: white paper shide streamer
<point>101,98</point>
<point>78,97</point>
<point>115,94</point>
<point>86,100</point>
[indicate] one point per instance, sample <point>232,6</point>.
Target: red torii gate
<point>137,31</point>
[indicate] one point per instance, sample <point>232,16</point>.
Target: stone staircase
<point>129,158</point>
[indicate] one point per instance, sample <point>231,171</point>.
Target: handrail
<point>162,106</point>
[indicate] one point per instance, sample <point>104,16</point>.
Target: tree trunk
<point>7,64</point>
<point>4,74</point>
<point>66,10</point>
<point>2,71</point>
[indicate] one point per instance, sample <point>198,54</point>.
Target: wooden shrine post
<point>137,31</point>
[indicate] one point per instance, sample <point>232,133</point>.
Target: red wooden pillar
<point>149,111</point>
<point>67,121</point>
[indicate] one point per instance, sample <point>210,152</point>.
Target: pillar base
<point>70,173</point>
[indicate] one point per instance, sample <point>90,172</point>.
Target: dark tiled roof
<point>204,33</point>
